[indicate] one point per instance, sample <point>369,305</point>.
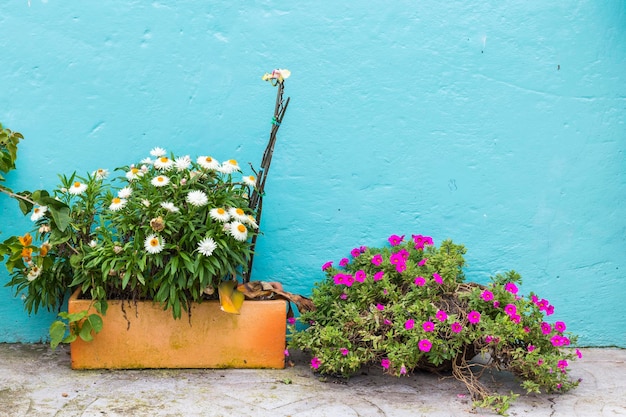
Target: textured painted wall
<point>501,126</point>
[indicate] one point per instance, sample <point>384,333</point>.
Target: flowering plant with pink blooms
<point>407,306</point>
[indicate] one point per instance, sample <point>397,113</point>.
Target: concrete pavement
<point>36,382</point>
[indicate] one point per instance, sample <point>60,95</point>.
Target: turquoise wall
<point>500,125</point>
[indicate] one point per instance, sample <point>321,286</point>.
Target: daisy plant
<point>407,307</point>
<point>167,228</point>
<point>171,228</point>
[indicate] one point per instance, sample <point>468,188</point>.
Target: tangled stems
<point>407,307</point>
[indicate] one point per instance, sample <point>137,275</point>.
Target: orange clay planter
<point>143,335</point>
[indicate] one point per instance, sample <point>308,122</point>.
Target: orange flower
<point>44,249</point>
<point>27,254</point>
<point>26,240</point>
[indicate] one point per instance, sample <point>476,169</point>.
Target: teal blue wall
<point>500,125</point>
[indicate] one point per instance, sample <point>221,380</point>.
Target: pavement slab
<point>36,381</point>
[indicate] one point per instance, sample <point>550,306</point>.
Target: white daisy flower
<point>146,161</point>
<point>207,162</point>
<point>238,231</point>
<point>228,167</point>
<point>133,174</point>
<point>160,181</point>
<point>145,202</point>
<point>238,214</point>
<point>170,207</point>
<point>250,180</point>
<point>163,163</point>
<point>197,198</point>
<point>77,188</point>
<point>153,244</point>
<point>93,243</point>
<point>157,152</point>
<point>33,273</point>
<point>251,221</point>
<point>206,246</point>
<point>100,174</point>
<point>125,192</point>
<point>219,214</point>
<point>182,163</point>
<point>38,213</point>
<point>117,204</point>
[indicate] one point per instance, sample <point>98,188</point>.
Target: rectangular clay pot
<point>143,335</point>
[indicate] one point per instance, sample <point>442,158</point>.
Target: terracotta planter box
<point>146,336</point>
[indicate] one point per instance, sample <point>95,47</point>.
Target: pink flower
<point>540,362</point>
<point>487,295</point>
<point>291,320</point>
<point>489,339</point>
<point>379,275</point>
<point>511,287</point>
<point>401,267</point>
<point>516,318</point>
<point>534,299</point>
<point>550,310</point>
<point>546,328</point>
<point>510,309</point>
<point>387,322</point>
<point>344,262</point>
<point>315,363</point>
<point>441,315</point>
<point>348,280</point>
<point>403,370</point>
<point>377,259</point>
<point>420,241</point>
<point>380,307</point>
<point>579,354</point>
<point>286,352</point>
<point>428,326</point>
<point>343,296</point>
<point>543,304</point>
<point>360,275</point>
<point>424,345</point>
<point>327,265</point>
<point>437,278</point>
<point>420,281</point>
<point>385,363</point>
<point>339,279</point>
<point>473,317</point>
<point>531,348</point>
<point>395,240</point>
<point>422,262</point>
<point>496,304</point>
<point>409,324</point>
<point>559,326</point>
<point>456,327</point>
<point>344,351</point>
<point>562,365</point>
<point>526,329</point>
<point>355,252</point>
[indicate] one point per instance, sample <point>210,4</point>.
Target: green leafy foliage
<point>166,229</point>
<point>407,307</point>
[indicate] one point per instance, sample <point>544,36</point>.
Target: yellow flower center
<point>232,162</point>
<point>239,212</point>
<point>134,170</point>
<point>208,159</point>
<point>164,159</point>
<point>160,179</point>
<point>76,184</point>
<point>154,242</point>
<point>241,228</point>
<point>251,178</point>
<point>36,210</point>
<point>117,200</point>
<point>221,211</point>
